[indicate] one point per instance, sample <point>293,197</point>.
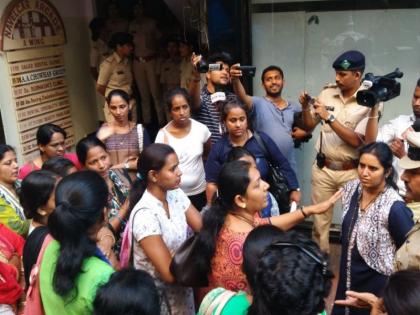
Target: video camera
<point>203,67</point>
<point>379,88</point>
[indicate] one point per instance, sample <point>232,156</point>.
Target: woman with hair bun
<point>72,266</point>
<point>11,211</point>
<point>375,224</point>
<point>287,274</point>
<point>160,219</point>
<point>124,139</point>
<point>233,215</point>
<point>50,139</point>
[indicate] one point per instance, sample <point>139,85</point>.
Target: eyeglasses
<point>310,254</point>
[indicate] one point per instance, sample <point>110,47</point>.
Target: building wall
<point>305,50</point>
<point>76,15</point>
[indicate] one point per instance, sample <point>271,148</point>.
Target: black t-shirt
<point>32,248</point>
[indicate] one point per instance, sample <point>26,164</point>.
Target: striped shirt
<point>209,113</point>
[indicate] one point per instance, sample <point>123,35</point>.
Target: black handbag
<point>278,183</point>
<point>183,268</point>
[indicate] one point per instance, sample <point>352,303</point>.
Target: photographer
<point>341,134</point>
<point>206,110</point>
<point>271,114</point>
<point>395,132</point>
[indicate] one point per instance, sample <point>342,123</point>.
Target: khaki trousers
<point>324,184</point>
<point>148,85</point>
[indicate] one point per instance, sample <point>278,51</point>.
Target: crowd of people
<point>191,221</point>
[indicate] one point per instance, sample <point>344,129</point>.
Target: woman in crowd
<point>159,221</point>
<point>60,166</point>
<point>235,117</point>
<point>128,292</point>
<point>242,194</point>
<point>11,247</point>
<point>124,139</point>
<point>51,143</point>
<point>300,287</point>
<point>11,211</point>
<point>242,154</point>
<point>38,202</point>
<point>400,296</point>
<point>191,142</point>
<point>93,156</point>
<point>72,267</point>
<point>375,224</point>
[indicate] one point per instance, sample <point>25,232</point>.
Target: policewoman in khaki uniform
<point>115,71</point>
<point>341,134</point>
<point>408,256</point>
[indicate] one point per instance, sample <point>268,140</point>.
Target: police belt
<point>341,166</point>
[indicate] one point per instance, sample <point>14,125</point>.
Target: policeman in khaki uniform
<point>342,132</point>
<point>115,71</point>
<point>408,256</point>
<point>146,38</point>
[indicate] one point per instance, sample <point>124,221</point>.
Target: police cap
<point>350,60</point>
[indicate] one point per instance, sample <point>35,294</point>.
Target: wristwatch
<point>330,119</point>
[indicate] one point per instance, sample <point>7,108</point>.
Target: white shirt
<point>397,129</point>
<point>150,218</point>
<point>190,152</point>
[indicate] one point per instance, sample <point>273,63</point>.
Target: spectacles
<point>310,254</point>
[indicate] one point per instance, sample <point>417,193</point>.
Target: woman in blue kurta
<point>375,223</point>
<point>235,117</point>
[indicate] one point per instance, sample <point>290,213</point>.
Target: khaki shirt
<point>349,114</point>
<point>186,73</point>
<point>408,255</point>
<point>115,73</point>
<point>145,37</point>
<point>170,73</point>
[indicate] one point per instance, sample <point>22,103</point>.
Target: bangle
<point>374,117</point>
<point>126,165</point>
<point>107,235</point>
<point>306,109</point>
<point>303,212</point>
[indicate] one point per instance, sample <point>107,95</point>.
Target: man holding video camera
<point>395,133</point>
<point>341,134</point>
<point>206,103</point>
<point>271,114</point>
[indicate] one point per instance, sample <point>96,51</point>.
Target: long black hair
<point>35,191</point>
<point>80,200</point>
<point>292,278</point>
<point>128,292</point>
<point>151,158</point>
<point>385,157</point>
<point>233,180</point>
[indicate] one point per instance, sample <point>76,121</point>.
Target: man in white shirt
<point>395,132</point>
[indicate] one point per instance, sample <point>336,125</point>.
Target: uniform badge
<point>345,64</point>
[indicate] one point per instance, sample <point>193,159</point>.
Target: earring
<point>42,212</point>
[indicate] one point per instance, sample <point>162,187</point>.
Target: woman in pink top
<point>51,142</point>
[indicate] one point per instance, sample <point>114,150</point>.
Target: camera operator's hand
<point>303,100</point>
<point>299,134</point>
<point>235,73</point>
<point>320,110</point>
<point>194,60</point>
<point>397,148</point>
